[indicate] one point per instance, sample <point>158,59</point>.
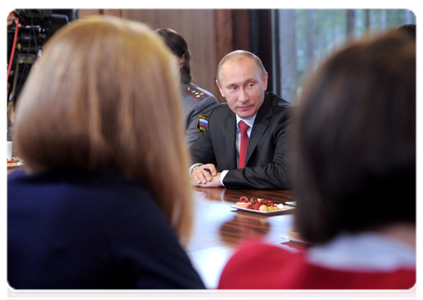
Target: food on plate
<point>243,199</point>
<point>263,207</point>
<point>294,235</point>
<point>243,202</point>
<point>11,162</point>
<point>258,204</point>
<point>276,207</point>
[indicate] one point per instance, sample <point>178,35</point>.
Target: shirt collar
<point>366,250</point>
<point>249,121</point>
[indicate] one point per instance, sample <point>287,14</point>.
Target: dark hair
<point>354,140</point>
<point>410,29</point>
<point>179,47</point>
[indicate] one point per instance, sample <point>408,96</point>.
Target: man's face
<point>243,86</point>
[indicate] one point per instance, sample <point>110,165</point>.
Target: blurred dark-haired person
<point>354,177</point>
<point>101,202</point>
<point>197,102</point>
<point>244,145</point>
<point>409,29</point>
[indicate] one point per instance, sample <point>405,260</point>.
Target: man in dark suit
<point>218,154</point>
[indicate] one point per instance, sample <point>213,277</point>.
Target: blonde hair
<point>103,97</point>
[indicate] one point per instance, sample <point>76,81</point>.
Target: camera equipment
<point>26,38</point>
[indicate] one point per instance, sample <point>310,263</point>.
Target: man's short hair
<point>240,54</point>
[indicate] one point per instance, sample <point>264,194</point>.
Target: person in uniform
<point>197,102</point>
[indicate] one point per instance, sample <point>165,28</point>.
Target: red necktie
<point>243,145</point>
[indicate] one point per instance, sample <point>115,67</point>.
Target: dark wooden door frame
<point>261,40</point>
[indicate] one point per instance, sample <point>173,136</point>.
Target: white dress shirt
<point>250,122</point>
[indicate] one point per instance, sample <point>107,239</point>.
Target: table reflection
<point>242,227</point>
<point>219,229</point>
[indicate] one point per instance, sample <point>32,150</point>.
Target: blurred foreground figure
<point>354,176</point>
<point>407,28</point>
<point>101,202</point>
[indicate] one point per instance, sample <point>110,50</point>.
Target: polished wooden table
<point>219,229</point>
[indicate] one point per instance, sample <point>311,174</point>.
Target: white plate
<point>14,166</point>
<point>293,203</point>
<point>293,240</point>
<point>285,209</point>
<point>19,163</point>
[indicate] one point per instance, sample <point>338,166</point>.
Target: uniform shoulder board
<point>202,122</point>
<point>196,93</point>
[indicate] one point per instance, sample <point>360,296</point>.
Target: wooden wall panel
<point>223,38</point>
<point>110,12</point>
<point>88,12</point>
<point>197,27</point>
<point>113,12</point>
<point>210,34</point>
<point>241,28</point>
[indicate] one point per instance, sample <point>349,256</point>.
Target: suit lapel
<point>260,125</point>
<point>230,130</point>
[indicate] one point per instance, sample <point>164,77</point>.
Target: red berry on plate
<point>243,199</point>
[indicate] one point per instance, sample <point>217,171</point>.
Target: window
<point>303,37</point>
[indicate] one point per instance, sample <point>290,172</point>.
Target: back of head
<point>103,97</point>
<point>179,47</point>
<point>354,148</point>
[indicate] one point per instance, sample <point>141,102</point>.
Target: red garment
<point>261,266</point>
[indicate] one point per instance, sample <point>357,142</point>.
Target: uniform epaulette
<point>196,93</point>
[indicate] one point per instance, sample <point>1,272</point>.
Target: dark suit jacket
<point>266,154</point>
<point>78,230</point>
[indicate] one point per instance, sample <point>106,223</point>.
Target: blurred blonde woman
<point>101,202</point>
